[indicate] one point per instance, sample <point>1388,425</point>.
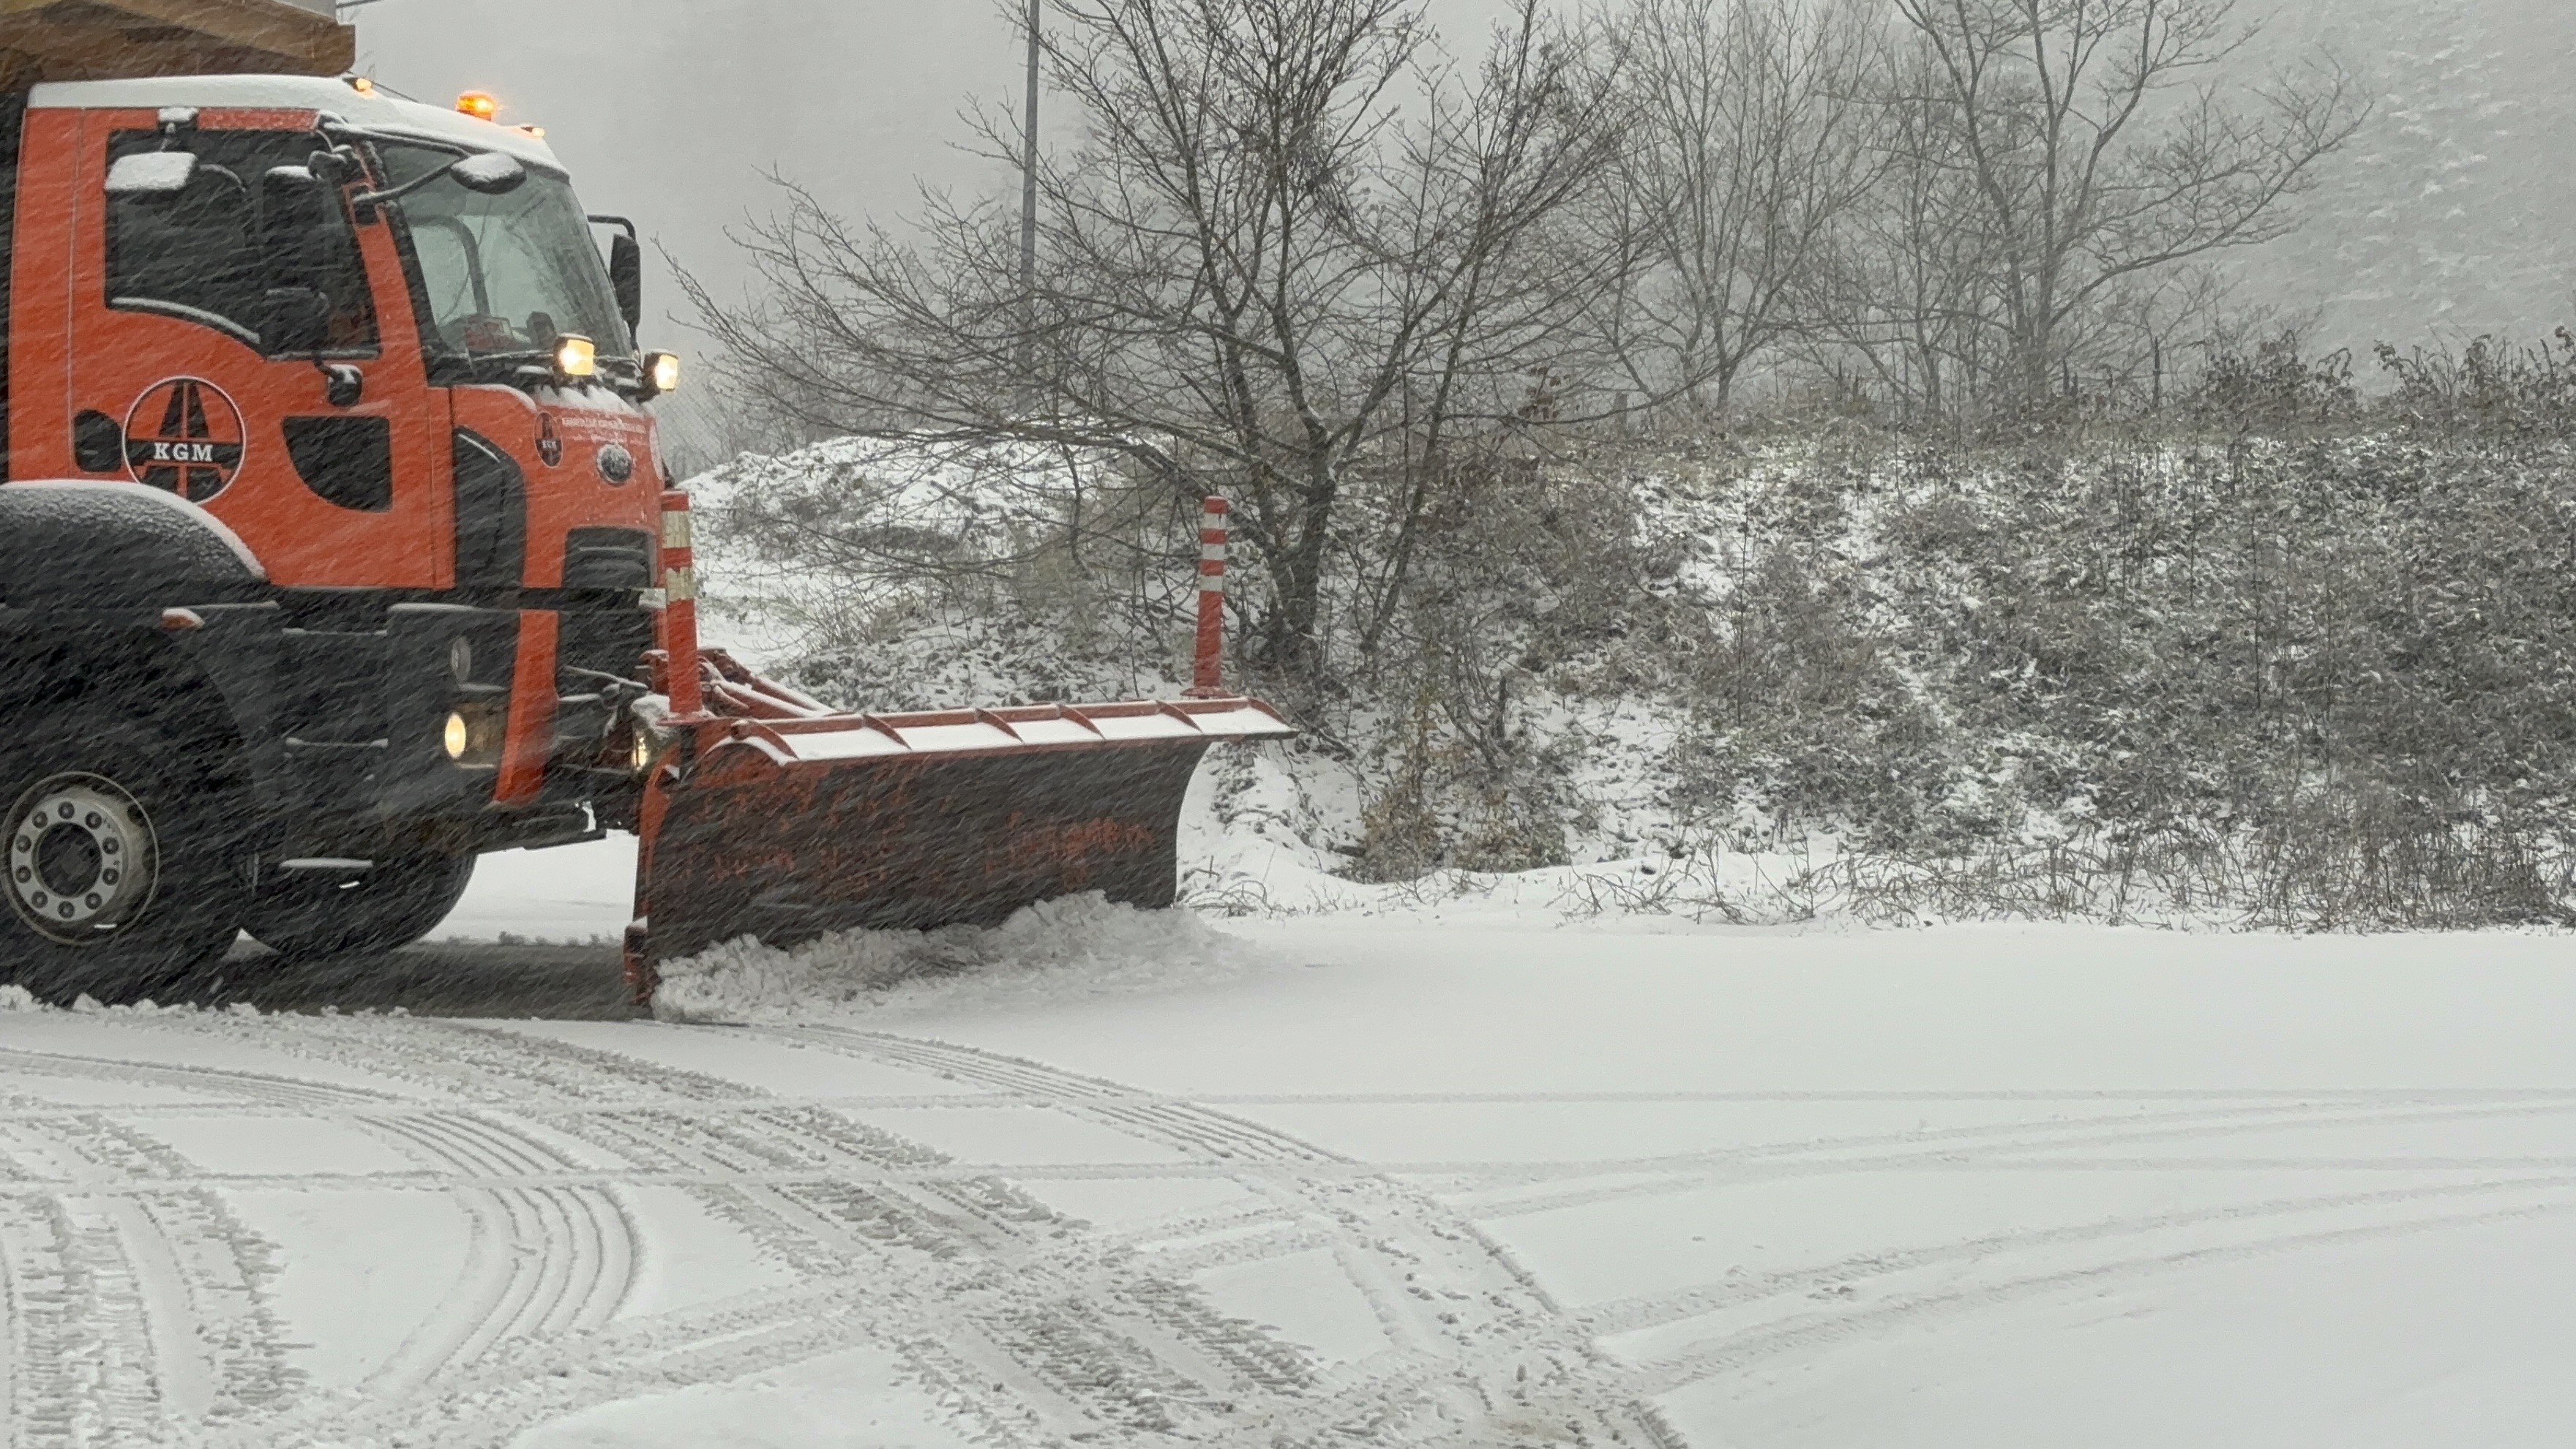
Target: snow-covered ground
<point>1344,1179</point>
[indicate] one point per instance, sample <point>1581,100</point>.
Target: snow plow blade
<point>768,815</point>
<point>788,829</point>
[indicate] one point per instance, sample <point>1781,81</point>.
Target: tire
<point>126,868</point>
<point>401,900</point>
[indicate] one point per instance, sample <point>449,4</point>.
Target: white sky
<point>2447,218</point>
<point>672,110</point>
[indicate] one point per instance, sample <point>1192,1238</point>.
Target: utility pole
<point>1029,203</point>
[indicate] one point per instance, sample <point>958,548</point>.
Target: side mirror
<point>151,175</point>
<point>337,167</point>
<point>296,321</point>
<point>491,173</point>
<point>294,218</point>
<point>626,272</point>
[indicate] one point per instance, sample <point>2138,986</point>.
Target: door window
<point>204,254</point>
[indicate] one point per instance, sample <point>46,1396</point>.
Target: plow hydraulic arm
<point>769,815</point>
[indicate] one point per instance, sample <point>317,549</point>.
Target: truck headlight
<point>576,357</point>
<point>473,735</point>
<point>651,745</point>
<point>664,369</point>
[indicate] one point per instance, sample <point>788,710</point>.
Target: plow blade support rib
<point>786,830</point>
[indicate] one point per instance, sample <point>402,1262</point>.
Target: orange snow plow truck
<point>335,552</point>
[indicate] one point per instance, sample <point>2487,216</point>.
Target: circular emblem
<point>616,464</point>
<point>184,436</point>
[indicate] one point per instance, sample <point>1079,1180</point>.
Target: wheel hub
<point>83,861</point>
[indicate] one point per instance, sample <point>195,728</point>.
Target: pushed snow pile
<point>18,998</point>
<point>1078,946</point>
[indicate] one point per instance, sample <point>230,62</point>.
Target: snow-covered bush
<point>2325,680</point>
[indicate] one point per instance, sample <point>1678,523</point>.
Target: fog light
<point>576,357</point>
<point>476,735</point>
<point>664,368</point>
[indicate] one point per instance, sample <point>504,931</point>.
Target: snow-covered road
<point>1380,1182</point>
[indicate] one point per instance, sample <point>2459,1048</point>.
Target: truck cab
<point>329,536</point>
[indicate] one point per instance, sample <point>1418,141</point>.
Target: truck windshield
<point>503,277</point>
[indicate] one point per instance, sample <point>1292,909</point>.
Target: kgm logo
<point>184,436</point>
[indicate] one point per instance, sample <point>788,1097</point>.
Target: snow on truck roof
<point>375,112</point>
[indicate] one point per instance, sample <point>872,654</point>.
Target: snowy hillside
<point>1771,677</point>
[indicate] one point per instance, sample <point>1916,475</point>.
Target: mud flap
<point>786,831</point>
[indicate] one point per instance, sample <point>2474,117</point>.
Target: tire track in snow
<point>1981,1146</point>
<point>46,1368</point>
<point>1476,1342</point>
<point>1814,1331</point>
<point>584,1247</point>
<point>540,1259</point>
<point>85,1368</point>
<point>256,1087</point>
<point>1657,1310</point>
<point>2323,1099</point>
<point>17,1310</point>
<point>166,1284</point>
<point>1075,1334</point>
<point>993,1289</point>
<point>1268,1232</point>
<point>968,1248</point>
<point>99,1370</point>
<point>1192,1128</point>
<point>218,1350</point>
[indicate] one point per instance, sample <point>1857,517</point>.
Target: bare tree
<point>2096,151</point>
<point>1295,242</point>
<point>1904,293</point>
<point>1749,135</point>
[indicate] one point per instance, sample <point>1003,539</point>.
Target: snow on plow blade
<point>786,829</point>
<point>773,817</point>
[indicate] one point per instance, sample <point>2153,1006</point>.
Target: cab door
<point>331,463</point>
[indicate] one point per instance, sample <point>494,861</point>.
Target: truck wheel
<point>401,900</point>
<point>124,870</point>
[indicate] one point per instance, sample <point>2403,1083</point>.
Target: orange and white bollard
<point>1208,678</point>
<point>687,687</point>
<point>680,607</point>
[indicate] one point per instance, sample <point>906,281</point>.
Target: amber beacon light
<point>481,105</point>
